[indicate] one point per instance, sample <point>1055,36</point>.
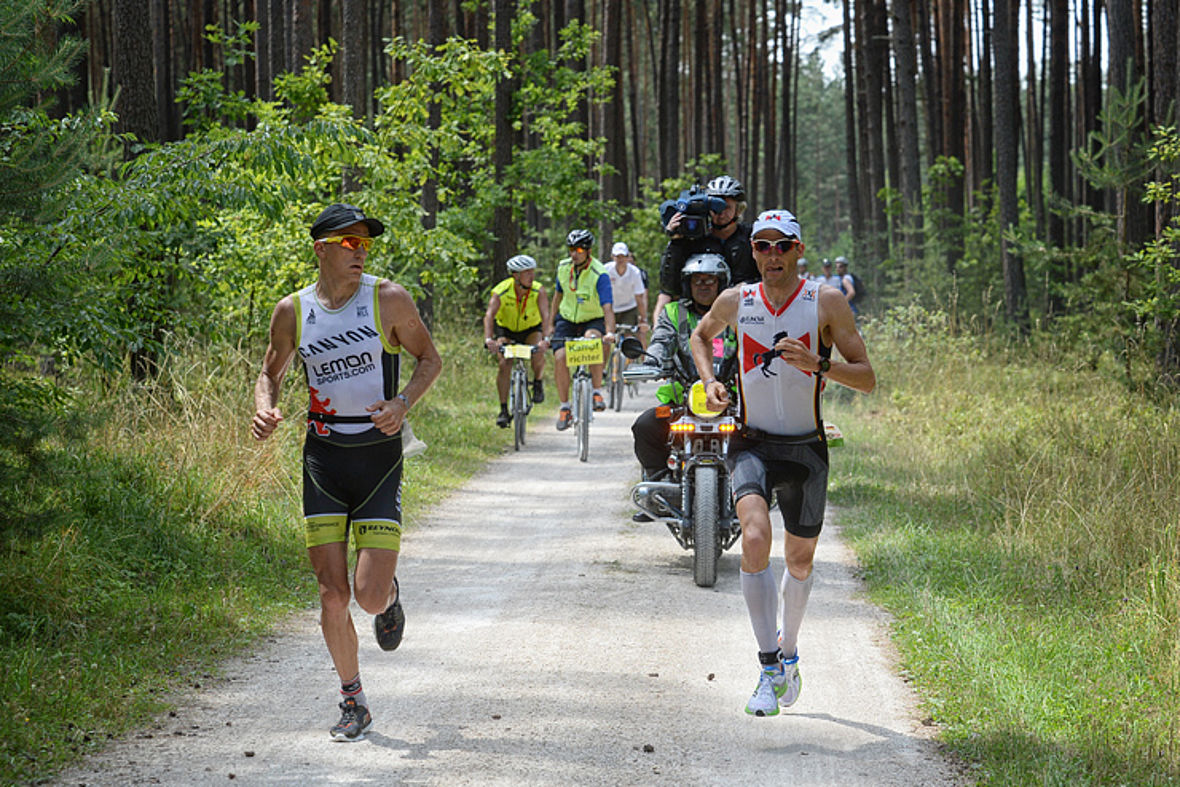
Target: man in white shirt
<point>630,293</point>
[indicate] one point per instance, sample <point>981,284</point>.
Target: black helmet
<point>709,263</point>
<point>726,186</point>
<point>583,239</point>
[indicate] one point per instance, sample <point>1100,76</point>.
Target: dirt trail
<point>550,640</point>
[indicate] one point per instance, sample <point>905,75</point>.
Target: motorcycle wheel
<point>704,527</point>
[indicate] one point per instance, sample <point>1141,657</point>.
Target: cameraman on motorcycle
<point>727,237</point>
<point>704,277</point>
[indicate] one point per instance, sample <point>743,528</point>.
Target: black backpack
<point>859,284</point>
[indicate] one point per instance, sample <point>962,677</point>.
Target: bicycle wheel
<point>520,397</point>
<point>582,414</point>
<point>618,361</point>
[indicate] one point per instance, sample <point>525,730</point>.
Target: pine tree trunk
<point>505,225</point>
<point>905,55</point>
<point>1007,101</point>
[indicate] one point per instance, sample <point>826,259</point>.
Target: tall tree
<point>1007,107</point>
<point>505,229</point>
<point>614,125</point>
<point>1059,114</point>
<point>906,59</point>
<point>668,86</point>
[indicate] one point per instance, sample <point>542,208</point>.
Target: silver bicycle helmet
<point>726,186</point>
<point>581,238</point>
<point>712,264</point>
<point>521,262</point>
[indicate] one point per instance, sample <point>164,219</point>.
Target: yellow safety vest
<point>517,315</point>
<point>579,299</point>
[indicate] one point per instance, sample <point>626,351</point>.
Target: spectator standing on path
<point>786,330</point>
<point>629,292</point>
<point>349,327</point>
<point>847,283</point>
<point>827,277</point>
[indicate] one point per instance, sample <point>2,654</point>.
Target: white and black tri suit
<point>350,468</point>
<point>781,447</point>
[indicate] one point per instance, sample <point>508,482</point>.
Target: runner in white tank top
<point>786,328</point>
<point>349,328</point>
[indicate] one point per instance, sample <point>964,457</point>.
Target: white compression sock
<point>762,604</point>
<point>795,595</point>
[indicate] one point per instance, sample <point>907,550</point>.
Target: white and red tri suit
<point>777,398</point>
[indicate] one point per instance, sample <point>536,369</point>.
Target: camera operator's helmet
<point>583,239</point>
<point>521,263</point>
<point>725,186</point>
<point>712,264</point>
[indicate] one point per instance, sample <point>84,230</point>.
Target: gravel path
<point>551,640</point>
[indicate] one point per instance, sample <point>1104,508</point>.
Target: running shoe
<point>599,403</point>
<point>565,419</point>
<point>538,391</point>
<point>503,419</point>
<point>354,720</point>
<point>764,701</point>
<point>391,624</point>
<point>788,683</point>
<point>641,517</point>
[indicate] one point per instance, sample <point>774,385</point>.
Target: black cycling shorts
<point>797,474</point>
<point>563,329</point>
<point>353,480</point>
<point>515,337</point>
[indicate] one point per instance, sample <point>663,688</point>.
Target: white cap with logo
<point>782,220</point>
<point>619,249</point>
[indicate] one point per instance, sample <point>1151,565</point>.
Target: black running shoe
<point>641,516</point>
<point>354,720</point>
<point>390,624</point>
<point>538,391</point>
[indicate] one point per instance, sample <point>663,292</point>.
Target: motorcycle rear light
<point>726,427</point>
<point>663,411</point>
<point>684,427</point>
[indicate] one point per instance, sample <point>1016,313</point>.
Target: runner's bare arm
<point>838,328</point>
<point>722,315</point>
<point>279,351</point>
<point>406,329</point>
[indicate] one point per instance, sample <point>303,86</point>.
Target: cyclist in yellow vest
<point>582,307</point>
<point>517,311</point>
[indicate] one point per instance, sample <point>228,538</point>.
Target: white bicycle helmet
<point>521,262</point>
<point>712,264</point>
<point>726,186</point>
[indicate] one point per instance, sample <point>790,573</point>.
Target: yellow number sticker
<point>580,352</point>
<point>518,351</point>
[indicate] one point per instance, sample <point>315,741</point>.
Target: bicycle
<point>583,353</point>
<point>520,403</point>
<point>615,364</point>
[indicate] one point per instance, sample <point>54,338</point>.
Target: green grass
<point>1021,522</point>
<point>150,538</point>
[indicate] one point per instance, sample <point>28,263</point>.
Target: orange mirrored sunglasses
<point>350,242</point>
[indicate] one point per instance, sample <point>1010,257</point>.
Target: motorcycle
<point>695,499</point>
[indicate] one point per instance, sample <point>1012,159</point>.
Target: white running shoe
<point>788,683</point>
<point>764,701</point>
